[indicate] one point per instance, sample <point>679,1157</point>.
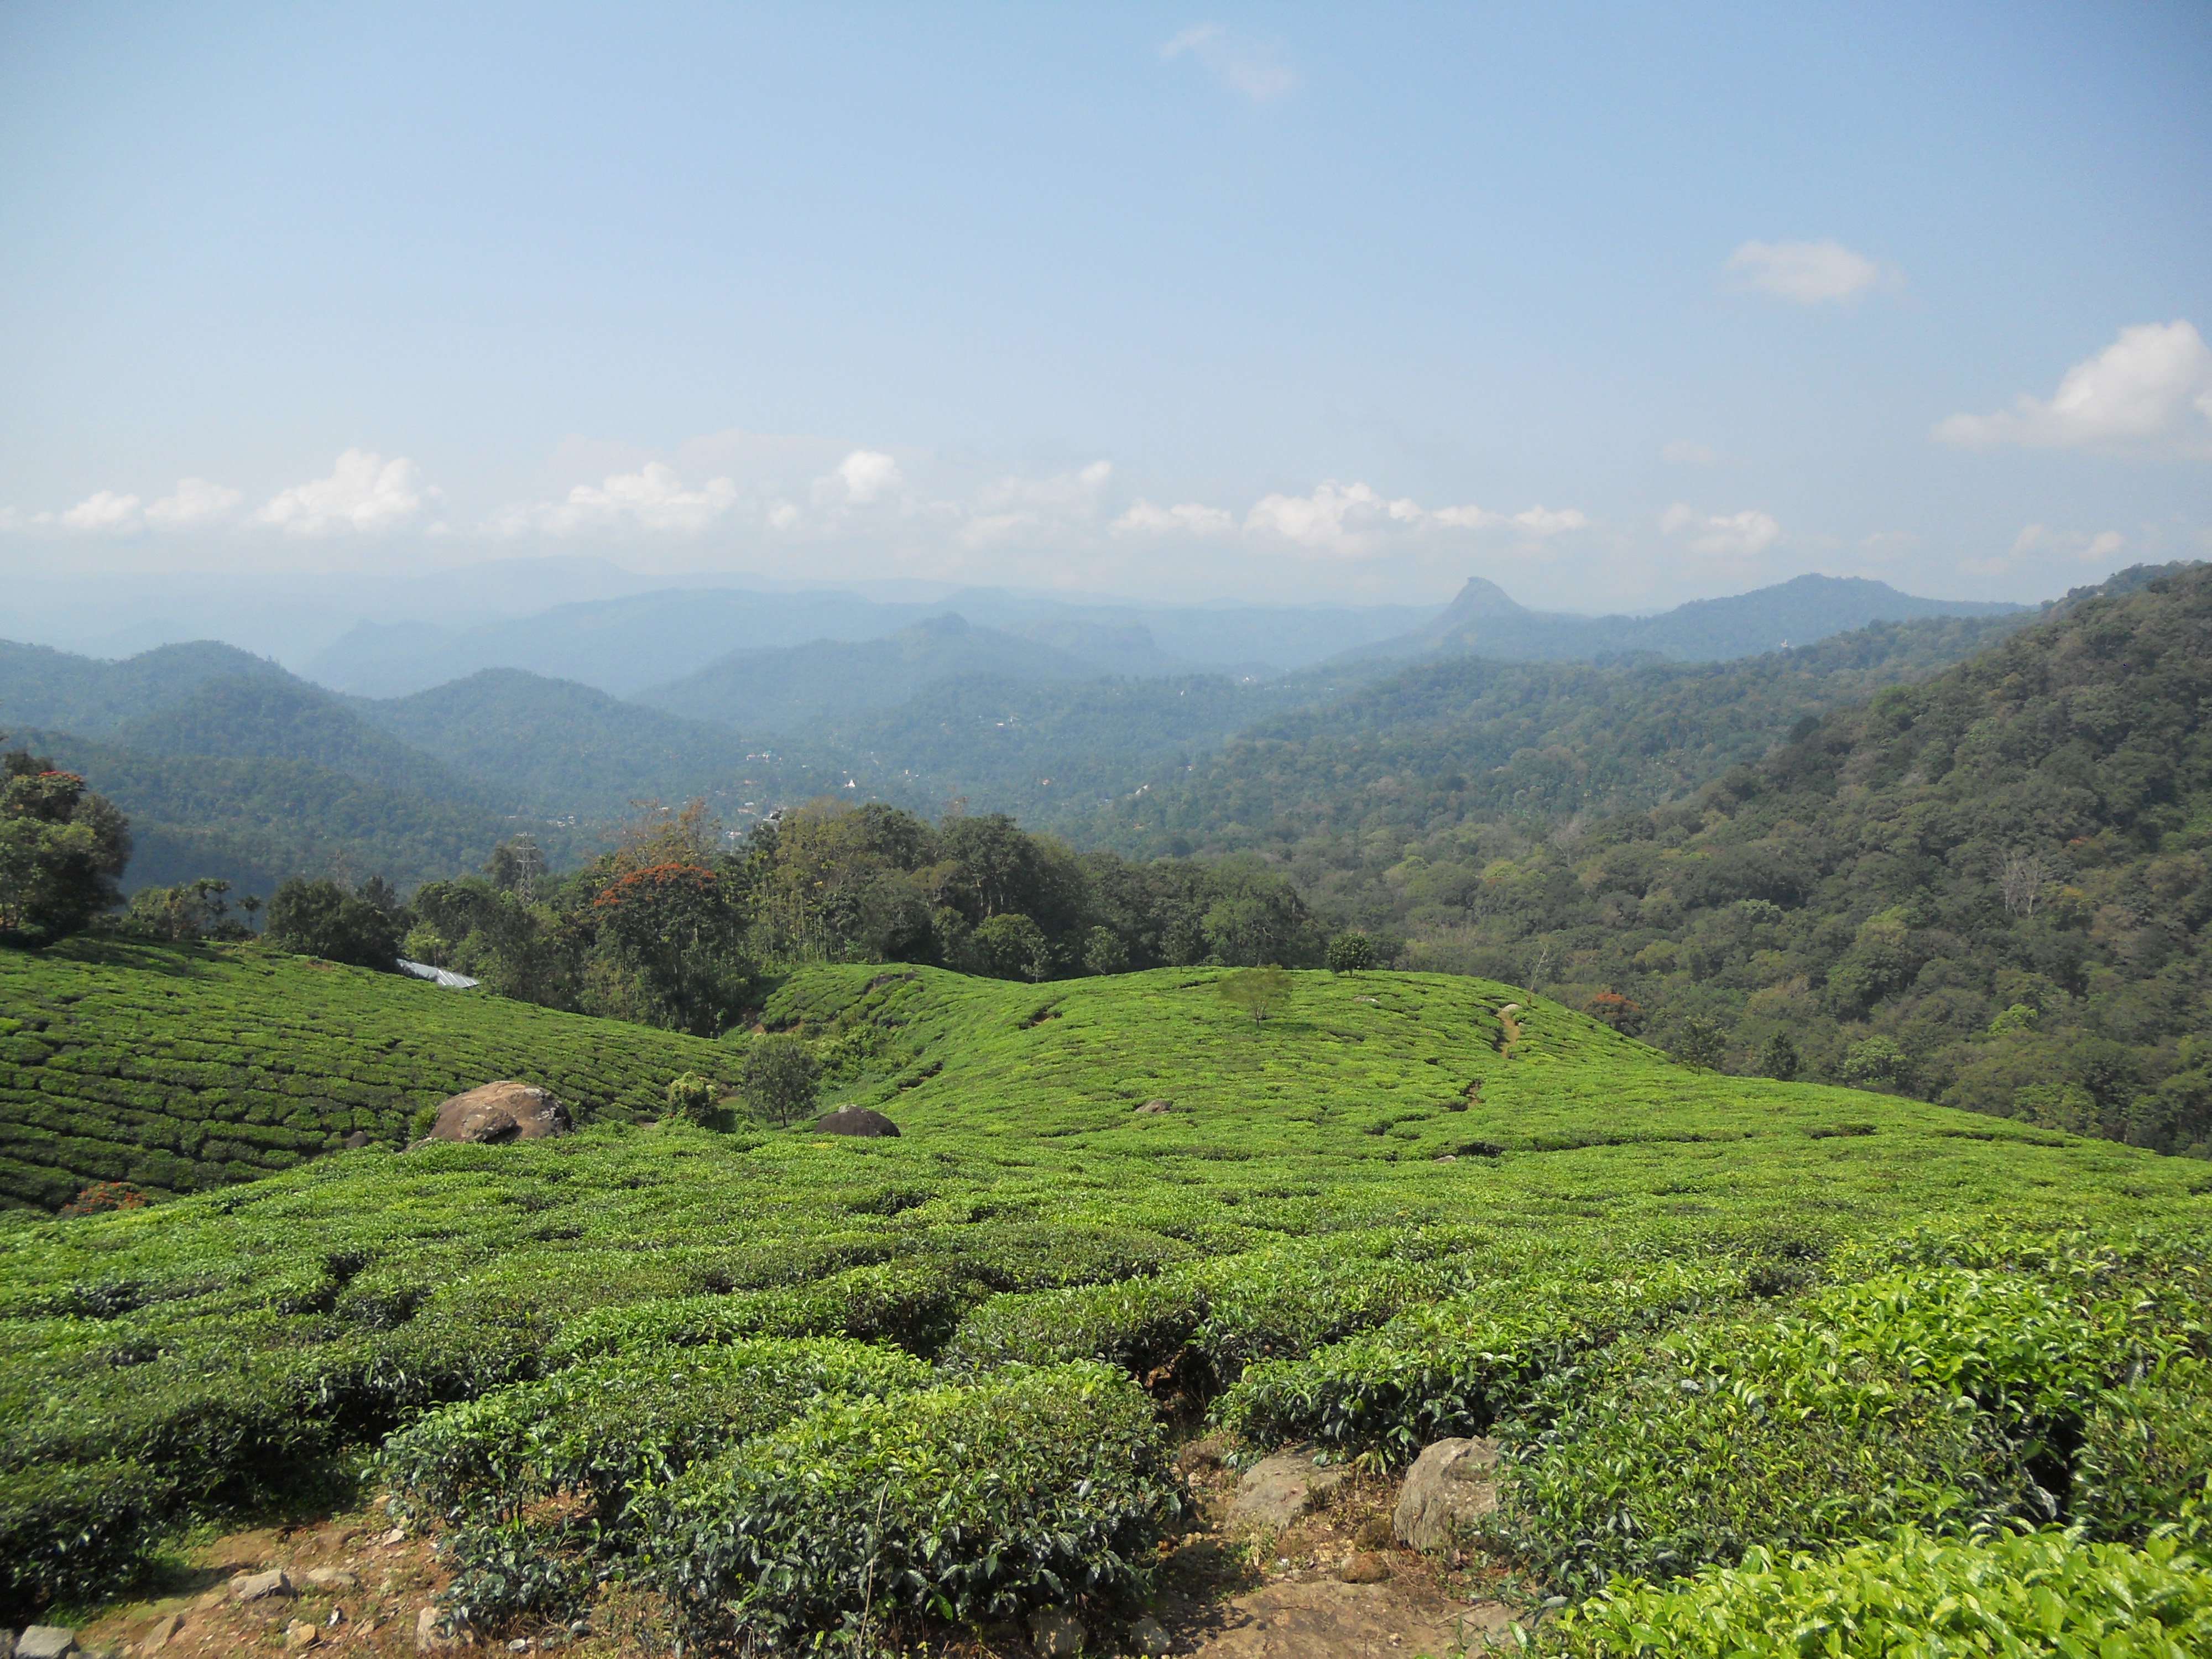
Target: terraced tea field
<point>783,1385</point>
<point>180,1069</point>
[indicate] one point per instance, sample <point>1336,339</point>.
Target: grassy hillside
<point>184,1068</point>
<point>785,1375</point>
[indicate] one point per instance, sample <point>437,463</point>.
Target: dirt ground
<point>359,1586</point>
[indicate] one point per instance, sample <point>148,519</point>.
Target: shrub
<point>2146,1453</point>
<point>1259,991</point>
<point>1032,1488</point>
<point>1137,1325</point>
<point>912,1304</point>
<point>71,1530</point>
<point>1350,953</point>
<point>1913,1597</point>
<point>103,1195</point>
<point>693,1098</point>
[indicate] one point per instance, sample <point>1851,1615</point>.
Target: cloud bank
<point>2151,389</point>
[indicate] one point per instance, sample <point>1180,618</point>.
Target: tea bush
<point>1027,1489</point>
<point>1913,1597</point>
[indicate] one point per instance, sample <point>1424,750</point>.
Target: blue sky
<point>1614,305</point>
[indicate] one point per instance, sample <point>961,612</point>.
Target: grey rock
<point>1148,1637</point>
<point>1056,1633</point>
<point>45,1642</point>
<point>854,1120</point>
<point>333,1578</point>
<point>430,1634</point>
<point>1155,1107</point>
<point>7,1642</point>
<point>259,1586</point>
<point>499,1112</point>
<point>1452,1485</point>
<point>356,1140</point>
<point>1276,1490</point>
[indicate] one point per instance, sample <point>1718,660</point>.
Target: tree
<point>1617,1011</point>
<point>2020,879</point>
<point>1259,991</point>
<point>1701,1043</point>
<point>62,848</point>
<point>316,917</point>
<point>1350,953</point>
<point>671,948</point>
<point>1876,1062</point>
<point>780,1078</point>
<point>192,909</point>
<point>1010,946</point>
<point>1778,1059</point>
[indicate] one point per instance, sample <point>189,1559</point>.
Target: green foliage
<point>693,1098</point>
<point>62,848</point>
<point>1028,1489</point>
<point>190,910</point>
<point>1913,1597</point>
<point>1350,953</point>
<point>782,1078</point>
<point>318,918</point>
<point>2146,1454</point>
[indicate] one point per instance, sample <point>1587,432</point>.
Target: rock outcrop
<point>854,1120</point>
<point>1452,1485</point>
<point>1276,1490</point>
<point>501,1112</point>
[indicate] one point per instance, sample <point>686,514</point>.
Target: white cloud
<point>1143,518</point>
<point>1682,452</point>
<point>2140,390</point>
<point>2102,547</point>
<point>1335,518</point>
<point>1811,273</point>
<point>104,514</point>
<point>194,502</point>
<point>653,498</point>
<point>1543,521</point>
<point>1253,68</point>
<point>364,492</point>
<point>867,473</point>
<point>1737,534</point>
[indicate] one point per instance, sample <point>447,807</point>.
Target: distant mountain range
<point>1484,621</point>
<point>228,764</point>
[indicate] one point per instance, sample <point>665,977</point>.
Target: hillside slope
<point>92,695</point>
<point>1405,1206</point>
<point>1991,886</point>
<point>1467,740</point>
<point>184,1068</point>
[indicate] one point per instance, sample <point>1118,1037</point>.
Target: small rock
<point>1154,1108</point>
<point>45,1642</point>
<point>300,1634</point>
<point>1204,1454</point>
<point>333,1578</point>
<point>1056,1633</point>
<point>356,1140</point>
<point>1373,1533</point>
<point>854,1120</point>
<point>158,1633</point>
<point>430,1634</point>
<point>1276,1490</point>
<point>214,1598</point>
<point>1451,1484</point>
<point>1148,1637</point>
<point>397,1536</point>
<point>257,1586</point>
<point>1365,1568</point>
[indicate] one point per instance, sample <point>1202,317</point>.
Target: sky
<point>1615,305</point>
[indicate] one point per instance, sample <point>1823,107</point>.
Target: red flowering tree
<point>670,947</point>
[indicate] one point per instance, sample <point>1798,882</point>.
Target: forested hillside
<point>1474,740</point>
<point>62,691</point>
<point>1989,887</point>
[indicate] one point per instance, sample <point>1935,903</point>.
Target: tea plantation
<point>182,1068</point>
<point>1778,1367</point>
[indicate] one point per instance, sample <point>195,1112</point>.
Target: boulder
<point>332,1579</point>
<point>501,1112</point>
<point>854,1120</point>
<point>300,1634</point>
<point>1148,1637</point>
<point>356,1140</point>
<point>1452,1485</point>
<point>45,1642</point>
<point>1276,1490</point>
<point>1155,1107</point>
<point>1363,1568</point>
<point>259,1586</point>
